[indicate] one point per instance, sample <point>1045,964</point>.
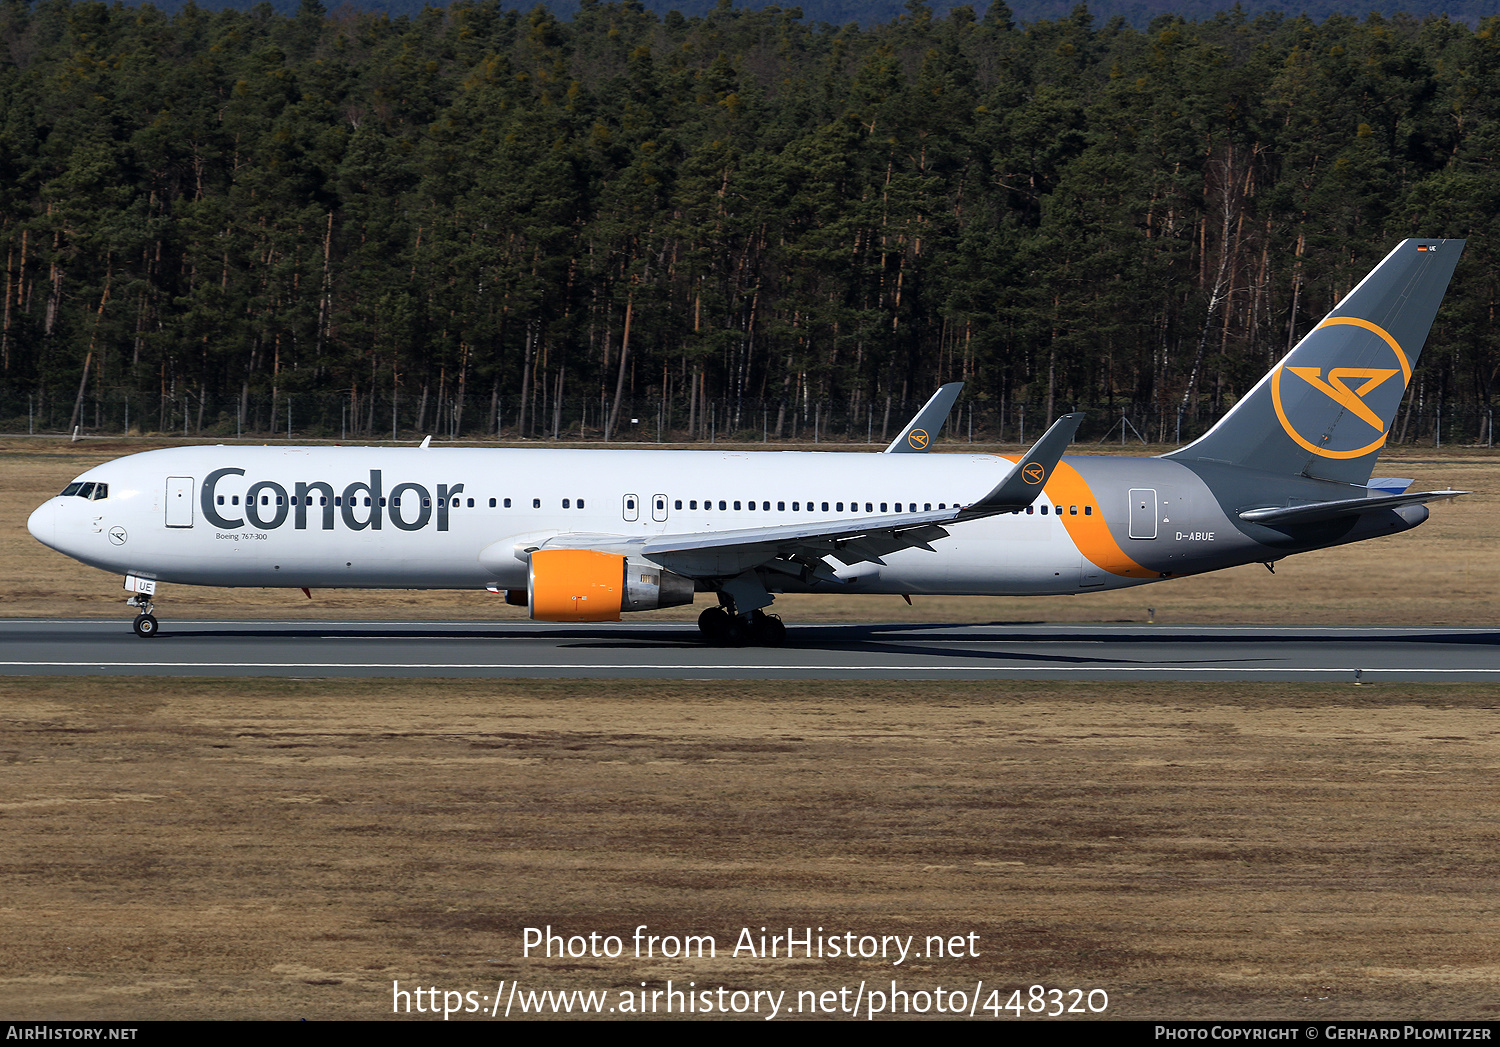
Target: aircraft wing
<point>797,548</point>
<point>1342,507</point>
<point>800,548</point>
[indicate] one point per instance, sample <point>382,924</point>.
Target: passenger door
<point>179,501</point>
<point>1143,514</point>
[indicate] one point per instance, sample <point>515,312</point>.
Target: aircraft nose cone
<point>43,524</point>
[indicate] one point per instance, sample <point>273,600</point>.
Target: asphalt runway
<point>1009,650</point>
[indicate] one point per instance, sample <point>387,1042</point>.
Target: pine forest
<point>747,225</point>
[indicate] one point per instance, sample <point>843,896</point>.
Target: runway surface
<point>1008,650</point>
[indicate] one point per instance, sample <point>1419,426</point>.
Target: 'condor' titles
<point>409,507</point>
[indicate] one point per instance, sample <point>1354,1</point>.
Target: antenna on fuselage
<point>426,443</point>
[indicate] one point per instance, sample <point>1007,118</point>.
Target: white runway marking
<point>678,667</point>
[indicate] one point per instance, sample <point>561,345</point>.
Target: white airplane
<point>584,535</point>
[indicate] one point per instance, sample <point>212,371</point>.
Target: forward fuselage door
<point>1143,513</point>
<point>179,501</point>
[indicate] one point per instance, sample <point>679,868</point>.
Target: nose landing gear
<point>145,622</point>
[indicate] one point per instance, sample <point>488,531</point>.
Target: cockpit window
<point>93,491</point>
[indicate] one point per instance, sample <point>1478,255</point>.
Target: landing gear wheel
<point>714,624</point>
<point>739,631</point>
<point>145,626</point>
<point>767,629</point>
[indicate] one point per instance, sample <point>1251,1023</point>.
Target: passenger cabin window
<point>536,503</point>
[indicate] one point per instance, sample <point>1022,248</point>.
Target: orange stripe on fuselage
<point>1091,534</point>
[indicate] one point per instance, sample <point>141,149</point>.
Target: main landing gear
<point>145,622</point>
<point>722,627</point>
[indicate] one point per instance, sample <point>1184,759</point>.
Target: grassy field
<point>289,849</point>
<point>1446,572</point>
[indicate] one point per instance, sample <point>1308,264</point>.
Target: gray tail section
<point>1325,410</point>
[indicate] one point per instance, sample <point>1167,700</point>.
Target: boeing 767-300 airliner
<point>584,535</point>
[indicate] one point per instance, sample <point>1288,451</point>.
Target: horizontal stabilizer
<point>1026,479</point>
<point>1342,507</point>
<point>923,429</point>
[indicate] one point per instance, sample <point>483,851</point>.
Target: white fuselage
<point>456,518</point>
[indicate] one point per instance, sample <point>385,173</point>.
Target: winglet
<point>919,432</point>
<point>1025,481</point>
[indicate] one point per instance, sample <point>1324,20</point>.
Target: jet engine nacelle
<point>580,585</point>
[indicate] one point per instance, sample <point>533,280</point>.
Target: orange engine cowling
<point>576,585</point>
<point>581,585</point>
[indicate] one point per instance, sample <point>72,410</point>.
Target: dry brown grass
<point>1446,572</point>
<point>289,848</point>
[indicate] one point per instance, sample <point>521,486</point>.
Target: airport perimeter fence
<point>344,418</point>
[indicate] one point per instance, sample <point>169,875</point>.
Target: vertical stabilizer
<point>1325,410</point>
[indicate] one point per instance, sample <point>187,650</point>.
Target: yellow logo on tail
<point>1337,387</point>
<point>1347,387</point>
<point>917,438</point>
